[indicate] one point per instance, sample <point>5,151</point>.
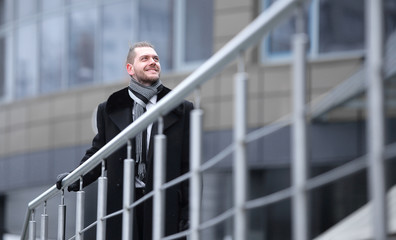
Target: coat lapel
<point>121,118</point>
<point>169,119</point>
<point>119,108</point>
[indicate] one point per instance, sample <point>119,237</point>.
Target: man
<point>114,115</point>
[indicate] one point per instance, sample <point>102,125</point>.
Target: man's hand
<point>72,187</point>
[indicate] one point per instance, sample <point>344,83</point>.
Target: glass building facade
<point>52,45</point>
<point>335,27</point>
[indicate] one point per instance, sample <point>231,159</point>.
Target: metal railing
<point>247,38</point>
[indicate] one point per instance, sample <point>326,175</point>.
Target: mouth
<point>151,68</point>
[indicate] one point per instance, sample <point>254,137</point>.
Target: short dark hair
<point>132,54</point>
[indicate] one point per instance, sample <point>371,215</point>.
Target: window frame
<point>313,37</point>
<point>179,64</point>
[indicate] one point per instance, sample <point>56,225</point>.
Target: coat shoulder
<point>118,100</point>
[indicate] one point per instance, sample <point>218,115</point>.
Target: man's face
<point>146,67</point>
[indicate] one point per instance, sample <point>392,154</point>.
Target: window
<point>194,32</point>
<point>26,76</point>
<point>278,43</point>
<point>198,30</point>
<point>47,5</point>
<point>334,26</point>
<point>155,25</point>
<point>2,66</point>
<point>328,28</point>
<point>51,55</point>
<point>82,46</point>
<point>390,16</point>
<point>116,22</point>
<point>341,25</point>
<point>26,8</point>
<point>5,11</point>
<point>5,66</point>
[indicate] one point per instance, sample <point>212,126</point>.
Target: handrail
<point>249,36</point>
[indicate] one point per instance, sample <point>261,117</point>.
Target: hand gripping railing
<point>248,37</point>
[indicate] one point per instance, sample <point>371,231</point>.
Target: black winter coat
<point>113,116</point>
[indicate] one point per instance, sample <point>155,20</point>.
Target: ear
<point>130,69</point>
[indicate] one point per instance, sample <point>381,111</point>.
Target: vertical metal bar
<point>299,131</point>
<point>80,202</point>
<point>102,206</point>
<point>196,178</point>
<point>299,140</point>
<point>240,165</point>
<point>62,218</point>
<point>159,178</point>
<point>375,140</point>
<point>44,224</point>
<point>32,228</point>
<point>25,228</point>
<point>128,194</point>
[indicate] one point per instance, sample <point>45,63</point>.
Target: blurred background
<point>60,58</point>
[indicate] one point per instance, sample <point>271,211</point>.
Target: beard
<point>145,79</point>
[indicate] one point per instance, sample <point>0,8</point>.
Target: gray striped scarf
<point>141,95</point>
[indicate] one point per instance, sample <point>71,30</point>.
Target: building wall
<point>64,119</point>
<point>43,136</point>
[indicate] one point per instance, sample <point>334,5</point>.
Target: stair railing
<point>247,38</point>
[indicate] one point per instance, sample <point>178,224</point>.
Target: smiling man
<point>122,108</point>
<point>143,64</point>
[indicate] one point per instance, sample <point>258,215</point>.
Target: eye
<point>156,59</point>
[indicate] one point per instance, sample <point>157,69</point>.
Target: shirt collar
<point>152,100</point>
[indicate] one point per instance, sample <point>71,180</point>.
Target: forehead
<point>145,51</point>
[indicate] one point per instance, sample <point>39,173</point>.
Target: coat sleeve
<point>97,143</point>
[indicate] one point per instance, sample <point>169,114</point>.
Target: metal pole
<point>44,223</point>
<point>128,191</point>
<point>375,119</point>
<point>299,131</point>
<point>80,202</point>
<point>240,165</point>
<point>62,218</point>
<point>159,179</point>
<point>299,140</point>
<point>32,228</point>
<point>196,178</point>
<point>102,204</point>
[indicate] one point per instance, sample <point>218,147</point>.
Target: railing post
<point>159,178</point>
<point>299,142</point>
<point>196,178</point>
<point>128,191</point>
<point>299,162</point>
<point>240,164</point>
<point>32,228</point>
<point>44,223</point>
<point>62,217</point>
<point>102,206</point>
<point>375,125</point>
<point>80,202</point>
